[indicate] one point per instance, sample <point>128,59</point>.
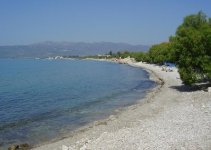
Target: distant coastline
<point>53,49</point>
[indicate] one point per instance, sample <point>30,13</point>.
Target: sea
<point>42,100</point>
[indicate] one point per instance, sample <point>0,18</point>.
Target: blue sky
<point>131,21</point>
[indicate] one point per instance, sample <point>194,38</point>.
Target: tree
<point>161,52</point>
<point>140,56</point>
<point>192,44</point>
<point>110,53</point>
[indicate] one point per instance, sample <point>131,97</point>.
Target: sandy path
<point>170,118</point>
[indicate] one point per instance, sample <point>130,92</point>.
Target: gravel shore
<point>170,117</point>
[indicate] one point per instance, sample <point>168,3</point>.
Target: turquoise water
<point>41,100</point>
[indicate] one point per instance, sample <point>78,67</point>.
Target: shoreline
<point>120,130</point>
<point>149,93</point>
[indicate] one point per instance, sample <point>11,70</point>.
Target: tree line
<point>189,49</point>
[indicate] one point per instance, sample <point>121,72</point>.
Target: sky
<point>144,22</point>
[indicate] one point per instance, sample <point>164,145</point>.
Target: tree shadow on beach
<point>192,88</point>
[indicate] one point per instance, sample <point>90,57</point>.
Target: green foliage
<point>195,20</point>
<point>190,49</point>
<point>160,53</point>
<point>141,56</point>
<point>192,44</point>
<point>138,56</point>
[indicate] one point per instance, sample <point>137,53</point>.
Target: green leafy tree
<point>161,52</point>
<point>140,56</point>
<point>192,44</point>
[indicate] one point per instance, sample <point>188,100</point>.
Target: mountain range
<point>51,49</point>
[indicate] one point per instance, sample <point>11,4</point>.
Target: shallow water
<point>41,100</point>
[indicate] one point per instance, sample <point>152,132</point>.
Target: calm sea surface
<point>41,100</point>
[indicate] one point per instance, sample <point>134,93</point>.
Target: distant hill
<point>49,49</point>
